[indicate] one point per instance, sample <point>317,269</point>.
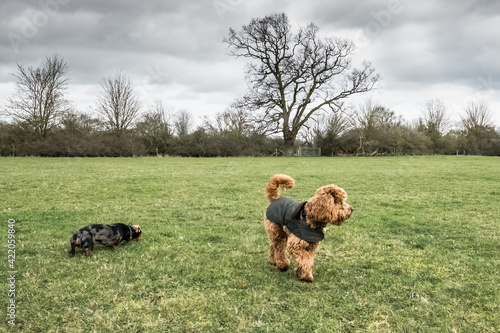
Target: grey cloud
<point>163,43</point>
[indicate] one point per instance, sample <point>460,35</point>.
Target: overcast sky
<point>173,50</point>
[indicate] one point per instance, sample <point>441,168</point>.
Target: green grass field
<point>419,254</point>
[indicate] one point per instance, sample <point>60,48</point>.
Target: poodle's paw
<point>304,277</point>
<point>283,268</point>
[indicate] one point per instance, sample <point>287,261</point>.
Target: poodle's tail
<point>275,183</point>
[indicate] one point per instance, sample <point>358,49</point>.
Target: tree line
<point>372,130</point>
<point>297,87</point>
<point>367,130</point>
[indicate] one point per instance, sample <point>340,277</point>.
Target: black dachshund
<point>107,234</point>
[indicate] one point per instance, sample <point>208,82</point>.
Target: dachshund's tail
<point>278,182</point>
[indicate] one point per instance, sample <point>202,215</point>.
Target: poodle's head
<point>329,205</point>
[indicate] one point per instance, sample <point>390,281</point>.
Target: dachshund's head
<point>136,232</point>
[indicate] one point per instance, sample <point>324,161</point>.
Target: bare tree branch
<point>294,76</point>
<point>476,115</point>
<point>183,123</point>
<point>434,117</point>
<point>118,103</point>
<point>39,97</point>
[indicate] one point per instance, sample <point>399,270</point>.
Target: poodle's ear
<point>327,205</point>
<point>336,192</point>
<point>320,208</point>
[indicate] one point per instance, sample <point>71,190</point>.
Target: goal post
<point>308,151</point>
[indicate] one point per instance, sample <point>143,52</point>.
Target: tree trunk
<point>289,140</point>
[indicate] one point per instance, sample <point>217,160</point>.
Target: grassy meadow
<point>419,254</point>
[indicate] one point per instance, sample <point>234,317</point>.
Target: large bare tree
<point>119,103</point>
<point>39,98</point>
<point>293,76</point>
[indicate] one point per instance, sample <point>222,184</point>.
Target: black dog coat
<point>290,214</point>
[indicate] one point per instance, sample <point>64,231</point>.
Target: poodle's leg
<point>303,253</point>
<point>277,249</point>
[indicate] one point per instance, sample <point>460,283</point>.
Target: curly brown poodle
<point>298,227</point>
